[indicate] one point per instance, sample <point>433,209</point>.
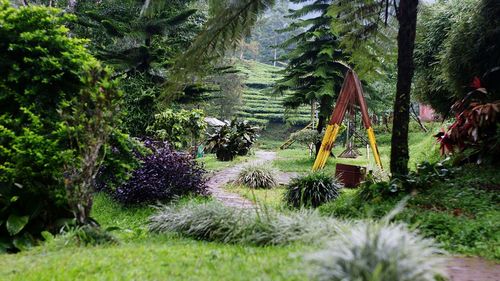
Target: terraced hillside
<point>260,106</point>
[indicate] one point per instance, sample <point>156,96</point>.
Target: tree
<point>361,23</point>
<point>267,32</point>
<point>313,73</point>
<point>457,42</point>
<point>139,40</point>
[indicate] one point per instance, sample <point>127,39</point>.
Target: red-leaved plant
<point>475,126</point>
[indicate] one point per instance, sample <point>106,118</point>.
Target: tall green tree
<point>362,23</point>
<point>313,73</point>
<point>139,39</point>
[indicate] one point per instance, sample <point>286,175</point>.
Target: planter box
<point>350,175</point>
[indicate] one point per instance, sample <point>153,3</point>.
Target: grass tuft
<point>378,251</point>
<point>213,221</point>
<point>254,176</point>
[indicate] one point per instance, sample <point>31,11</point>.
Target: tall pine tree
<point>313,73</point>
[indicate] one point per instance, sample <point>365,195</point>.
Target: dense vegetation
<point>113,167</point>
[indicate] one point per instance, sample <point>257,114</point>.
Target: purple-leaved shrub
<point>163,175</point>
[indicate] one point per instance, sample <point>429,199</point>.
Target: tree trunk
<point>407,17</point>
<point>321,124</point>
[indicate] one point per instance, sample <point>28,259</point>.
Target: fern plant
<point>257,177</point>
<point>312,190</point>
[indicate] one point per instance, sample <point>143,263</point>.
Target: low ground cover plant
<point>163,175</point>
<point>254,176</point>
<point>213,221</point>
<point>377,251</point>
<point>312,190</point>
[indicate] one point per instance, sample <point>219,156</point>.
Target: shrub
<point>164,174</point>
<point>231,140</point>
<point>312,190</point>
<point>58,109</point>
<point>375,251</point>
<point>180,129</point>
<point>427,174</point>
<point>213,221</point>
<point>257,177</point>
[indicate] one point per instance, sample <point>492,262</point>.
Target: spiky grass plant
<point>312,190</point>
<point>371,251</point>
<point>254,176</point>
<point>213,221</point>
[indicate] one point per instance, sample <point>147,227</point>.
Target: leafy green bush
<point>59,109</point>
<point>231,140</point>
<point>375,251</point>
<point>426,175</point>
<point>181,128</point>
<point>213,221</point>
<point>312,190</point>
<point>257,177</point>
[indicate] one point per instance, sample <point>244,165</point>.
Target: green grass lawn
<point>144,256</point>
<point>263,197</point>
<point>423,147</point>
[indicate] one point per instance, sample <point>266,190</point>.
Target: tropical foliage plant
<point>378,251</point>
<point>179,128</point>
<point>312,190</point>
<point>474,132</point>
<point>231,140</point>
<point>164,175</point>
<point>257,176</point>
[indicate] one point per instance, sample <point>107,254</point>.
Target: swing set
<point>351,94</point>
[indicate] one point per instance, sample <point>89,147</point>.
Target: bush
<point>58,110</point>
<point>312,190</point>
<point>231,140</point>
<point>215,222</point>
<point>257,177</point>
<point>427,174</point>
<point>180,129</point>
<point>164,175</point>
<point>375,251</point>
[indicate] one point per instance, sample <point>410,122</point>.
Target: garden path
<point>459,268</point>
<point>472,269</point>
<point>219,179</point>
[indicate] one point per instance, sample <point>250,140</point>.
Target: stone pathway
<point>472,269</point>
<point>219,179</point>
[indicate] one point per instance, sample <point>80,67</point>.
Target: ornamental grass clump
<point>372,251</point>
<point>312,190</point>
<point>213,221</point>
<point>257,177</point>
